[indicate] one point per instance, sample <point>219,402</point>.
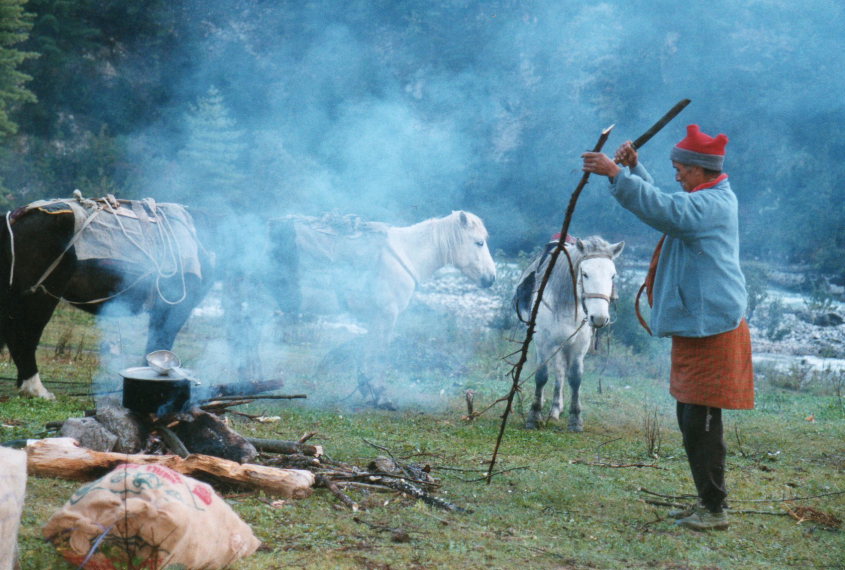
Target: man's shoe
<point>681,513</point>
<point>703,519</point>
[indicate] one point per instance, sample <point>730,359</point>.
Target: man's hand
<point>626,155</point>
<point>599,163</point>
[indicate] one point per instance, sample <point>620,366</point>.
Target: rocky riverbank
<point>784,327</point>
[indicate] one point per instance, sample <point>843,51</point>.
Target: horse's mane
<point>448,232</point>
<point>560,281</point>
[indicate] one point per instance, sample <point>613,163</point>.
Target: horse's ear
<point>462,216</point>
<point>617,248</point>
<point>579,244</point>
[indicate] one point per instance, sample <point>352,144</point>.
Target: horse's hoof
<point>33,388</point>
<point>530,424</point>
<point>44,394</point>
<point>576,427</point>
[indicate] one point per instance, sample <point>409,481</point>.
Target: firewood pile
<point>199,442</point>
<point>383,474</point>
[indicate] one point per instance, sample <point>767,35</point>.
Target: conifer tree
<point>15,24</point>
<point>212,159</point>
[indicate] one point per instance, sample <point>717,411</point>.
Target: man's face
<point>688,176</point>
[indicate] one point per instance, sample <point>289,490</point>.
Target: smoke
<point>374,106</point>
<point>403,111</point>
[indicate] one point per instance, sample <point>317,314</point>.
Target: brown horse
<point>141,256</point>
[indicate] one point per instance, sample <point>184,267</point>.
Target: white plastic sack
<point>12,491</point>
<point>149,516</point>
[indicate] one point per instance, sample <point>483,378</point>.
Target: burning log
<point>64,459</point>
<point>286,447</point>
<point>293,461</point>
<point>205,433</point>
<point>242,389</point>
<point>219,408</point>
<point>251,397</point>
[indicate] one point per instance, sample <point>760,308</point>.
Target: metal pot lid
<point>147,373</point>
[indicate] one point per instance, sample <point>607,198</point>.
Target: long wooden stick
<point>664,120</point>
<point>516,371</point>
<point>258,397</point>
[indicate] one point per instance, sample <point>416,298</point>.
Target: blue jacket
<point>699,288</point>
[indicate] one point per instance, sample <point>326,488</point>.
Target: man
<point>697,291</point>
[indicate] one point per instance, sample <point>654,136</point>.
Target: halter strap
<point>403,263</point>
<point>585,295</point>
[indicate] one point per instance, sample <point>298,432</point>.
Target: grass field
<point>562,500</point>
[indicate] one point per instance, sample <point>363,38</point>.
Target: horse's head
<point>467,248</point>
<point>596,274</point>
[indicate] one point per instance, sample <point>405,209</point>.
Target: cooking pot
<point>146,390</point>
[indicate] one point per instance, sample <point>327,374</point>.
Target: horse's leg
<point>560,375</point>
<point>540,379</point>
<point>242,325</point>
<point>281,276</point>
<point>373,360</point>
<point>575,372</point>
<point>39,239</point>
<point>392,289</point>
<point>28,315</point>
<point>167,319</point>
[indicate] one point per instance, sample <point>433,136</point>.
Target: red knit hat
<point>701,149</point>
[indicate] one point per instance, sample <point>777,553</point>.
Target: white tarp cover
<point>160,238</point>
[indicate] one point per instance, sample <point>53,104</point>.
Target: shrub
<point>756,285</point>
<point>774,330</point>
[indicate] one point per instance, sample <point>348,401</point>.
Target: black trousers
<point>704,442</point>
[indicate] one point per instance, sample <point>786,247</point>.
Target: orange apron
<point>714,371</point>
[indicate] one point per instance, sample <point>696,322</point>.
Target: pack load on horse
<point>142,255</point>
<point>374,268</point>
<point>575,302</point>
<point>529,280</point>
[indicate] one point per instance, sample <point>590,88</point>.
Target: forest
<point>399,111</point>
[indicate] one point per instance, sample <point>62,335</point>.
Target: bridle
<point>589,295</point>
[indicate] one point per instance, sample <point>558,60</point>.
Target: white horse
<point>565,323</point>
<point>377,267</point>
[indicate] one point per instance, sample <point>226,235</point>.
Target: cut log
<point>63,458</point>
<point>287,447</point>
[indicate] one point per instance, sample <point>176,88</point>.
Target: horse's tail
<point>522,297</point>
<point>5,272</point>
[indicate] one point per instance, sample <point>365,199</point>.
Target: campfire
<point>167,417</point>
